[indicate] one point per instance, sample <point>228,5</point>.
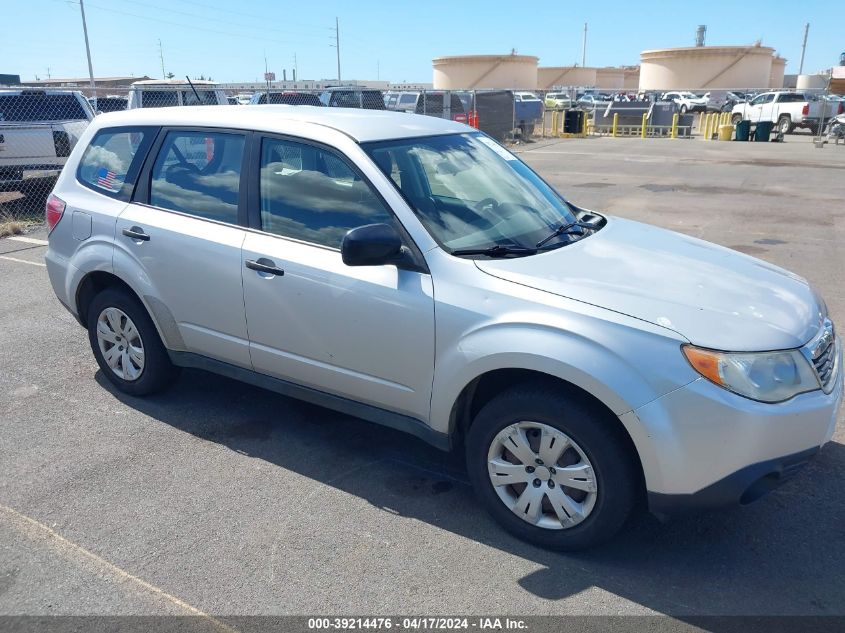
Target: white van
<point>162,93</point>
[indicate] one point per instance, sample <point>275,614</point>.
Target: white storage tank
<point>811,82</point>
<point>705,67</point>
<point>610,78</point>
<point>476,72</point>
<point>550,76</point>
<point>778,68</point>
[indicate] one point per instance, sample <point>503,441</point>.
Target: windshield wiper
<point>564,229</point>
<point>497,250</point>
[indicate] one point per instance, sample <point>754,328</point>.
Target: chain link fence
<point>39,127</point>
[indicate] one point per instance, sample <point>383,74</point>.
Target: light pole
<point>87,48</point>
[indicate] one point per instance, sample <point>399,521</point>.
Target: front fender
<point>622,367</point>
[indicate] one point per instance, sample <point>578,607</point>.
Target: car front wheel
<point>552,468</point>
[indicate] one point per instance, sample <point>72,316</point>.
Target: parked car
<point>287,97</point>
<point>590,102</point>
<point>411,271</point>
<point>232,100</point>
<point>353,98</point>
<point>38,130</point>
<point>444,104</point>
<point>558,101</point>
<point>686,101</point>
<point>244,98</point>
<point>110,103</point>
<point>787,110</point>
<point>390,99</point>
<point>162,93</point>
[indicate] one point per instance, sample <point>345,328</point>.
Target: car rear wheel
<point>784,125</point>
<point>126,344</point>
<point>551,468</point>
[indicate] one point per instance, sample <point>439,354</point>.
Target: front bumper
<point>702,446</point>
<point>740,488</point>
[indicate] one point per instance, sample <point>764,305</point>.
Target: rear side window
<point>199,173</point>
<point>372,100</point>
<point>206,97</point>
<point>311,194</point>
<point>111,162</point>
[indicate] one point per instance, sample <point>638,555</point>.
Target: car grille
<point>825,363</point>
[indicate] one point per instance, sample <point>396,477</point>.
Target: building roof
<point>361,125</point>
<point>84,80</point>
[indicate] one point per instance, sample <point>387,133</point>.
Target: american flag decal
<point>106,179</point>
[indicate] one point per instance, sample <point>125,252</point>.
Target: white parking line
<point>22,261</point>
<point>28,240</point>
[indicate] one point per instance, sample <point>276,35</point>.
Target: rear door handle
<point>264,265</point>
<point>136,233</point>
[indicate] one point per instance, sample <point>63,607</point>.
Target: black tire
<point>158,372</point>
<point>599,436</point>
<point>736,118</point>
<point>785,125</point>
<point>683,109</point>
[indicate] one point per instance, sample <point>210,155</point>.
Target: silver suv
<point>411,271</point>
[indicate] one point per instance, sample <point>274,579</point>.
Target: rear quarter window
<point>112,161</point>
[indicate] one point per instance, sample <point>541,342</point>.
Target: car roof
<point>38,91</point>
<point>174,82</point>
<point>360,124</point>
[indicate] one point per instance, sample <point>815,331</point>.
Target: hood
<point>711,295</point>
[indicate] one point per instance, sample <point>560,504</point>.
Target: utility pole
<point>161,56</point>
<point>803,49</point>
<point>584,48</point>
<point>337,45</point>
<point>87,48</point>
<point>295,67</point>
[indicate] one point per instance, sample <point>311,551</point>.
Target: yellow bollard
<point>645,122</point>
<point>674,133</point>
<point>554,123</point>
<point>586,127</point>
<point>615,124</point>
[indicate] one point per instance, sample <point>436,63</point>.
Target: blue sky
<point>394,40</point>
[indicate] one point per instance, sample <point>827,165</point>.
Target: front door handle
<point>264,265</point>
<point>136,233</point>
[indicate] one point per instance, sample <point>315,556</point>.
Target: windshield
<point>470,192</point>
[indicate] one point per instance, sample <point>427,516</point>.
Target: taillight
<point>841,107</point>
<point>806,109</point>
<point>55,211</point>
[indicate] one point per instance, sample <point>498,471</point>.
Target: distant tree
<point>170,75</point>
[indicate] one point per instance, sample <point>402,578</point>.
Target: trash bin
<point>726,132</point>
<point>763,131</point>
<point>573,121</point>
<point>743,130</point>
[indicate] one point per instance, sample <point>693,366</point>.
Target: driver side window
<point>199,173</point>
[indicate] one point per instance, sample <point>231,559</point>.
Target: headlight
<point>763,376</point>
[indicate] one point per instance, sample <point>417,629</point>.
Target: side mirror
<point>372,245</point>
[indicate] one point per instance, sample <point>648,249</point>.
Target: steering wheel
<point>487,202</point>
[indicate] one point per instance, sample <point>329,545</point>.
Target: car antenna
<point>196,94</point>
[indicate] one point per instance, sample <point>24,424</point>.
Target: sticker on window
<point>501,151</point>
<point>109,180</point>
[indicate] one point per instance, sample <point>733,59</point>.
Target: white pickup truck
<point>787,110</point>
<point>38,130</point>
